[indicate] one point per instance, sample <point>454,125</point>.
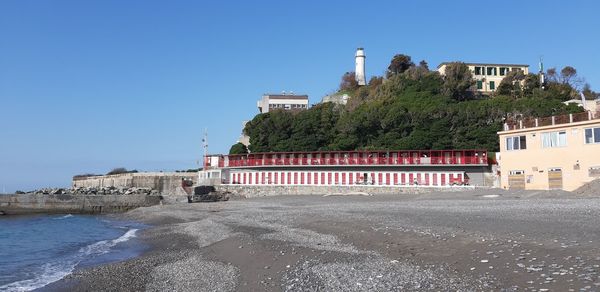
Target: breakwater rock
<point>93,191</point>
<point>75,203</point>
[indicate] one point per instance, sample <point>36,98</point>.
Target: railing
<point>548,121</point>
<point>433,157</point>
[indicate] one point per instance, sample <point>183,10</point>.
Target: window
<point>516,143</point>
<point>503,71</point>
<point>554,139</point>
<point>479,84</point>
<point>491,71</point>
<point>592,135</point>
<point>492,85</point>
<point>478,70</point>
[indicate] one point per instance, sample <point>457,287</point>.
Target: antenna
<point>541,73</point>
<point>205,147</point>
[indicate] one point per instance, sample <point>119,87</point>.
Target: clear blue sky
<point>86,86</point>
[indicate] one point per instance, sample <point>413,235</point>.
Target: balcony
<point>527,123</point>
<point>357,158</point>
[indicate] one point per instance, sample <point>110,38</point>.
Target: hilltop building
<point>559,152</point>
<point>284,101</point>
<point>488,76</point>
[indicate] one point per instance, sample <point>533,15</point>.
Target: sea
<point>36,250</point>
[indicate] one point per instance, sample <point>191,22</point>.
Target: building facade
<point>347,168</point>
<point>561,152</point>
<point>282,101</point>
<point>488,76</point>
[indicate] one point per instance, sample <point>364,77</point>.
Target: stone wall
<point>40,203</point>
<point>264,191</point>
<point>164,182</point>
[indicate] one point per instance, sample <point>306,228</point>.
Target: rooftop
<point>525,124</point>
<point>486,64</point>
<point>286,96</point>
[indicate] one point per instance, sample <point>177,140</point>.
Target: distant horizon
<point>91,86</point>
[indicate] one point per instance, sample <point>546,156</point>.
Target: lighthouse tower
<point>359,72</point>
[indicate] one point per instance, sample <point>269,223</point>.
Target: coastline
<point>39,249</point>
<point>355,243</point>
<point>21,204</point>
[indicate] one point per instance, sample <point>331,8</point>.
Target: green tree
<point>399,64</point>
<point>511,84</point>
<point>238,148</point>
<point>458,81</point>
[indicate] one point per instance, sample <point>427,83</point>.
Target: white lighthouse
<point>359,72</point>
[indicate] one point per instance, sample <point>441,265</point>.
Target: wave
<point>63,217</point>
<point>54,271</point>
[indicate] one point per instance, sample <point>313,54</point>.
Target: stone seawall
<point>91,204</point>
<point>163,182</point>
<point>264,191</point>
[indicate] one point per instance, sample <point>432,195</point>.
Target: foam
<point>54,271</point>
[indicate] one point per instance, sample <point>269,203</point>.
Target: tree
<point>567,74</point>
<point>399,64</point>
<point>511,84</point>
<point>458,81</point>
<point>551,75</point>
<point>348,82</point>
<point>238,148</point>
<point>530,83</point>
<point>375,81</point>
<point>423,64</point>
<point>589,93</point>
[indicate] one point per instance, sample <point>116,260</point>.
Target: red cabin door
<point>387,179</point>
<point>444,182</point>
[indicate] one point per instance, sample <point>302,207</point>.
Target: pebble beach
<point>485,239</point>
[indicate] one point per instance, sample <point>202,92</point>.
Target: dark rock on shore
<point>94,191</point>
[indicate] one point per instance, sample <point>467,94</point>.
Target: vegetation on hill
<point>120,170</point>
<point>414,108</point>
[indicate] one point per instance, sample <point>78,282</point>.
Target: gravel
<point>193,274</point>
<point>467,241</point>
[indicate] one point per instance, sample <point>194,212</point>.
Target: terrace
<point>526,123</point>
<point>476,157</point>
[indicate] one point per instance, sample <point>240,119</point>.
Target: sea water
<point>38,250</point>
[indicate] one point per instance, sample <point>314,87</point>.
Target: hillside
<point>412,108</point>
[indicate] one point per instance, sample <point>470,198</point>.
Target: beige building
<point>488,76</point>
<point>284,101</point>
<point>561,152</point>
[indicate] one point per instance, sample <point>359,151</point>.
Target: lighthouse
<point>359,72</point>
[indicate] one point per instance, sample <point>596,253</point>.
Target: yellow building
<point>561,152</point>
<point>488,76</point>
